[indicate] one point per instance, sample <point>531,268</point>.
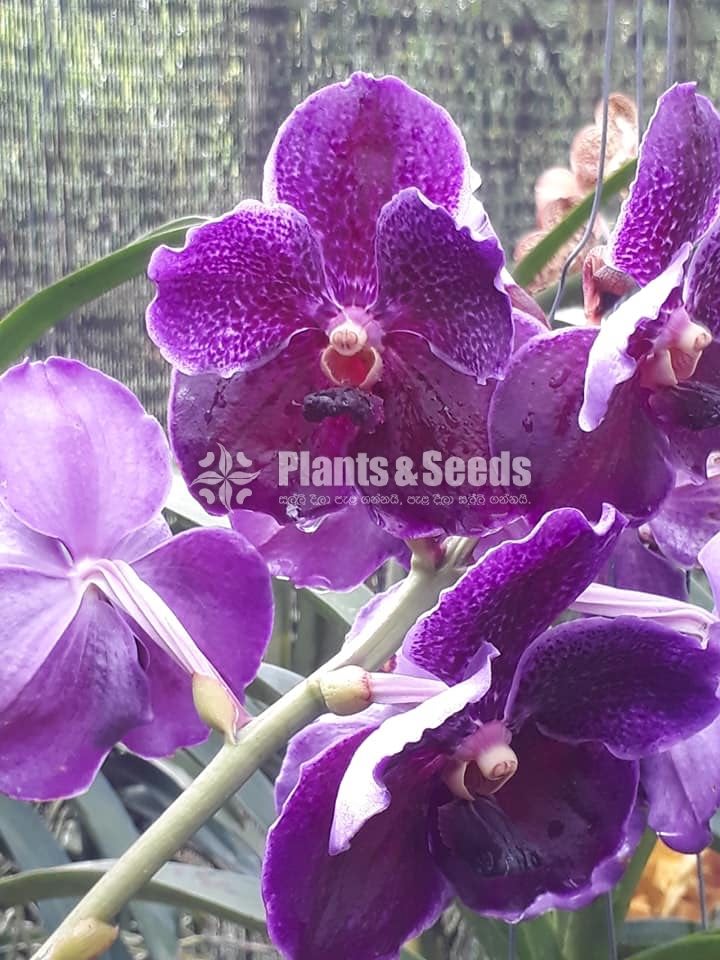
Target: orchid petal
<point>402,742</point>
<point>88,692</point>
<point>87,465</point>
<point>551,565</point>
<point>348,150</point>
<point>258,414</point>
<point>327,915</point>
<point>554,836</point>
<point>534,413</point>
<point>676,192</point>
<point>442,283</point>
<point>631,684</point>
<point>238,291</point>
<point>625,337</point>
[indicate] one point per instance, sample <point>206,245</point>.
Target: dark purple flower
<point>348,313</point>
<point>611,415</point>
<point>106,617</point>
<point>513,782</point>
<point>682,784</point>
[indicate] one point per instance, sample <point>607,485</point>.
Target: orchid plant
<point>359,383</point>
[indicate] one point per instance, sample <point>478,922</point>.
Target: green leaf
<point>585,932</point>
<point>530,266</point>
<point>699,946</point>
<point>272,682</point>
<point>339,608</point>
<point>534,939</point>
<point>30,844</point>
<point>700,592</point>
<point>222,893</point>
<point>642,934</point>
<point>39,313</point>
<point>111,830</point>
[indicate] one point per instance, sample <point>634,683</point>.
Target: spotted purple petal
<point>510,596</point>
<point>242,286</point>
<point>346,151</point>
<point>631,684</point>
<point>429,409</point>
<point>443,283</point>
<point>702,288</point>
<point>676,192</point>
<point>257,415</point>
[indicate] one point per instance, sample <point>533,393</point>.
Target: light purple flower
<point>106,617</point>
<point>348,313</point>
<point>513,782</point>
<point>611,415</point>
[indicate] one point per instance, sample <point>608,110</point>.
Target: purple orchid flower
<point>106,618</point>
<point>612,415</point>
<point>682,784</point>
<point>513,781</point>
<point>349,313</point>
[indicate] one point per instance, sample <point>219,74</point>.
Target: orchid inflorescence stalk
<point>358,378</point>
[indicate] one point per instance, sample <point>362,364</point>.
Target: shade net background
<point>117,116</point>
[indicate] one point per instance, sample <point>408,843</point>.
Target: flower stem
<point>235,763</point>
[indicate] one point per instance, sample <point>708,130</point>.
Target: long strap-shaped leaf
<point>530,266</point>
<point>43,310</point>
<point>221,893</point>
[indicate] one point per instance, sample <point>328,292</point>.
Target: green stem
<point>236,763</point>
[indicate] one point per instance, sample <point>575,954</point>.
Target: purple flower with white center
<point>348,313</point>
<point>513,782</point>
<point>611,415</point>
<point>106,618</point>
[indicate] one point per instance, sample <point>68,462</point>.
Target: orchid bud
<point>346,691</point>
<point>88,939</point>
<point>215,705</point>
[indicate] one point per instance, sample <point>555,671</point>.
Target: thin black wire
<point>639,75</point>
<point>609,38</point>
<point>701,892</point>
<point>511,941</point>
<point>671,46</point>
<point>610,919</point>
